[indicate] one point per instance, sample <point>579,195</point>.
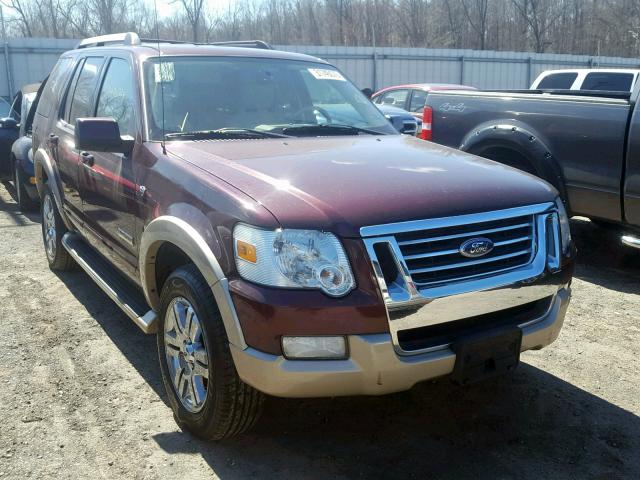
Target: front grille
<point>409,127</point>
<point>433,255</point>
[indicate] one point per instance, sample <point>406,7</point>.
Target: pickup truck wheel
<point>22,197</point>
<point>206,395</point>
<point>53,229</point>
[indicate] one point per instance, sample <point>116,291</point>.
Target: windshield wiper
<point>222,133</point>
<point>327,129</point>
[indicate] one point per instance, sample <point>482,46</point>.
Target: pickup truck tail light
<point>427,119</point>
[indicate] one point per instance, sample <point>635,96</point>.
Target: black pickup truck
<point>586,144</point>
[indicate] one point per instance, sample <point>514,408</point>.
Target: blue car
<point>20,159</point>
<point>402,120</point>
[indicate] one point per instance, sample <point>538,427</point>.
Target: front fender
<point>521,138</point>
<point>169,228</point>
<point>44,167</point>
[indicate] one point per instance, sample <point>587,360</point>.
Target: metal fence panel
<point>31,59</point>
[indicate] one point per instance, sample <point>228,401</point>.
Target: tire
<point>22,197</point>
<point>53,229</point>
<point>215,403</point>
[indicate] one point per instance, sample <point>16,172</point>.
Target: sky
<point>166,8</point>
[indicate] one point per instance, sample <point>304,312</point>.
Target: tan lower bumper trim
<point>373,368</point>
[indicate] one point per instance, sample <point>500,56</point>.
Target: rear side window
<point>613,82</point>
<point>418,100</point>
<point>52,91</point>
<point>558,81</point>
<point>81,102</point>
<point>116,97</point>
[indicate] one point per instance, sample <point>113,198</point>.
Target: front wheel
<point>207,396</point>
<point>53,229</point>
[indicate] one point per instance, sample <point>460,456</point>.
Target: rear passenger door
<point>107,184</point>
<point>77,103</point>
<point>417,103</point>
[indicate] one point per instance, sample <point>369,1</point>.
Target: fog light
<point>314,347</point>
<point>32,180</point>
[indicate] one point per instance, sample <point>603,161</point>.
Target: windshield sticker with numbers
<point>326,74</point>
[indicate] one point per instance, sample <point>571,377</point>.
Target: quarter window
<point>116,98</point>
<point>81,103</point>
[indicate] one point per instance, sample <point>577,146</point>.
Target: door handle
<point>87,159</point>
<point>53,139</point>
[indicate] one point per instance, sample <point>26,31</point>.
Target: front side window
<point>396,98</point>
<point>81,101</point>
<point>284,97</point>
<point>608,81</point>
<point>116,98</point>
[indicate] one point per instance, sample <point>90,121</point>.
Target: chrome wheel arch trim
<point>43,164</point>
<point>168,228</point>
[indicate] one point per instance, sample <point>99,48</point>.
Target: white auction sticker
<point>326,74</point>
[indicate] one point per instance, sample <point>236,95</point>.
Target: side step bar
<point>631,241</point>
<point>114,284</point>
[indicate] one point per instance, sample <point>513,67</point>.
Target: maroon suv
<point>255,210</point>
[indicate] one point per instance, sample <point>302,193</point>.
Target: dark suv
<point>255,210</point>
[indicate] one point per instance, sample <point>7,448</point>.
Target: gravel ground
<point>81,394</point>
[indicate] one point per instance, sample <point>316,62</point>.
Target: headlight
<point>565,231</point>
<point>292,259</point>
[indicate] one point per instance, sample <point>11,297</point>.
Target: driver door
<point>107,183</point>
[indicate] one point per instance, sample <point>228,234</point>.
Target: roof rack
<point>132,38</point>
<point>234,43</point>
<point>129,38</point>
<point>245,43</point>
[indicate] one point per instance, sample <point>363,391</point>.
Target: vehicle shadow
<point>527,425</point>
<point>603,259</point>
<point>18,217</point>
<point>138,348</point>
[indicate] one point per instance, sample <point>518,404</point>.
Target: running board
<point>114,284</point>
<point>631,241</point>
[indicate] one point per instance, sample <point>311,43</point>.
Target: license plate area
<point>487,354</point>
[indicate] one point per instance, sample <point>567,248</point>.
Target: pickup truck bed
<point>585,145</point>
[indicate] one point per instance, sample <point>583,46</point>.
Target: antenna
<point>155,11</point>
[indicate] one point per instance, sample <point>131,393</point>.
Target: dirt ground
<point>81,394</point>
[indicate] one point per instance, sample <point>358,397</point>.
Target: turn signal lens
<point>246,251</point>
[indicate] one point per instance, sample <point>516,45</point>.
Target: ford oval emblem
<point>476,247</point>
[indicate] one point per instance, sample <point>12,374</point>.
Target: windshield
<point>285,97</point>
<point>5,108</point>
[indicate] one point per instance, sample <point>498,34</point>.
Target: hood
<point>340,184</point>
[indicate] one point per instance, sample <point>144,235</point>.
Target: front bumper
<point>374,367</point>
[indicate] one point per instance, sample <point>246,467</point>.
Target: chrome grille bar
<point>470,262</point>
<point>467,234</point>
<point>456,250</point>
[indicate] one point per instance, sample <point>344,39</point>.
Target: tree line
<point>592,27</point>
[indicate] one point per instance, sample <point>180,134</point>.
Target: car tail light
<point>427,125</point>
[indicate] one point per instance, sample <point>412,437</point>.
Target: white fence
<point>27,60</point>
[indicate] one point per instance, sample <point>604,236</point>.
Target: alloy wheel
<point>186,354</point>
<point>49,222</point>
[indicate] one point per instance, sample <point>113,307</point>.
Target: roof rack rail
<point>233,43</point>
<point>245,43</point>
<point>129,38</point>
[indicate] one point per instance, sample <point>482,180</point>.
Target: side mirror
<point>101,135</point>
<point>9,123</point>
